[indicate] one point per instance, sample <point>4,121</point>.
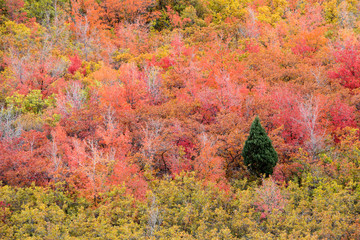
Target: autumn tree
<point>348,72</point>
<point>259,155</point>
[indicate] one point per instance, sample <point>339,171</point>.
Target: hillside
<point>127,119</point>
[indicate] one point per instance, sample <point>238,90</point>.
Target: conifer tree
<point>259,155</point>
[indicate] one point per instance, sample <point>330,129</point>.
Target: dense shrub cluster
<point>129,119</point>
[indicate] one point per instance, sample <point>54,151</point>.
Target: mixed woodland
<point>127,119</point>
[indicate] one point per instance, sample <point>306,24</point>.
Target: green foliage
<point>32,102</point>
<point>259,155</point>
<point>186,208</point>
<point>197,11</point>
<point>44,9</point>
<point>36,213</point>
<point>191,14</point>
<point>39,8</point>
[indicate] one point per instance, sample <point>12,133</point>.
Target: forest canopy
<point>128,119</point>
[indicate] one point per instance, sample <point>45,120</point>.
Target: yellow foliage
<point>331,11</point>
<point>272,13</point>
<point>223,9</point>
<point>122,56</point>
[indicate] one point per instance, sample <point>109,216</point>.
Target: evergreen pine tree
<point>259,155</point>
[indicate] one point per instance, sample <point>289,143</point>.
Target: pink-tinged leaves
<point>342,115</point>
<point>269,198</point>
<point>75,64</point>
<point>348,72</point>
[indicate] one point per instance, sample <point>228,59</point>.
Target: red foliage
<point>129,175</point>
<point>115,12</point>
<point>187,145</point>
<point>302,48</point>
<point>252,47</point>
<point>75,64</point>
<point>24,160</point>
<point>342,115</point>
<point>208,165</point>
<point>284,172</point>
<point>173,100</point>
<point>285,104</point>
<point>14,10</point>
<point>348,72</point>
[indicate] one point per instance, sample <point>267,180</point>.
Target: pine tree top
<point>259,155</point>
